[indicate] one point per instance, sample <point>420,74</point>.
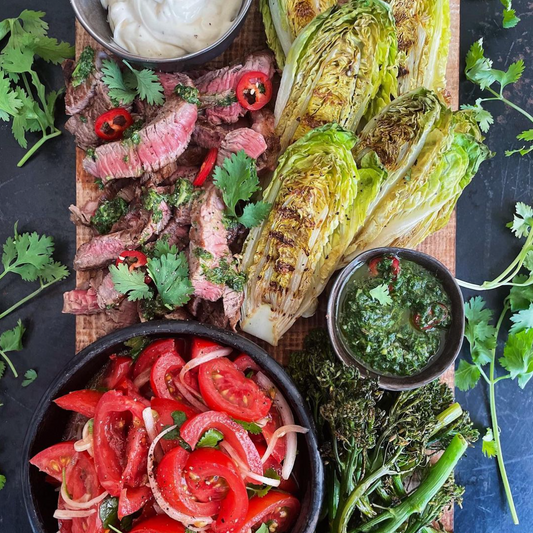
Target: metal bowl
<point>49,422</point>
<point>454,336</point>
<point>93,17</point>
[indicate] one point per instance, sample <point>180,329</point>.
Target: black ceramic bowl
<point>49,422</point>
<point>454,336</point>
<point>93,17</point>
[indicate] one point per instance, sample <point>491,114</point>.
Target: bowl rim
<point>178,327</point>
<point>454,339</point>
<point>163,61</point>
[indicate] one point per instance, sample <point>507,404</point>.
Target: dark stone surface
<point>38,196</point>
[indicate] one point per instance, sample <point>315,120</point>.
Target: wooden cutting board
<point>252,37</point>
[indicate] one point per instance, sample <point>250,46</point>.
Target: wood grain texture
<point>441,245</point>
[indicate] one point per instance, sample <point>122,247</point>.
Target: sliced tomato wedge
<point>159,524</point>
<point>164,409</point>
<point>276,508</point>
<point>80,401</point>
<point>164,372</point>
<point>287,485</point>
<point>81,481</point>
<point>206,168</point>
<point>244,363</point>
<point>128,387</point>
<point>274,422</point>
<point>213,476</point>
<point>115,415</point>
<point>225,388</point>
<point>119,368</point>
<point>152,353</point>
<point>235,435</point>
<point>201,346</point>
<point>254,90</point>
<point>170,479</point>
<point>134,473</point>
<point>54,459</point>
<point>133,499</point>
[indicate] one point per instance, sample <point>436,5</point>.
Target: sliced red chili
<point>375,262</point>
<point>254,90</point>
<point>111,125</point>
<point>132,258</point>
<point>206,168</point>
<point>418,319</point>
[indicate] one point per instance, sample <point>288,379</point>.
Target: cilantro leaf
<point>210,439</point>
<point>2,481</point>
<point>162,247</point>
<point>262,490</point>
<point>520,297</point>
<point>510,20</point>
<point>11,341</point>
<point>179,418</point>
<point>522,320</point>
<point>263,528</point>
<point>381,294</point>
<point>522,221</point>
<point>525,135</point>
<point>170,274</point>
<point>489,447</point>
<point>2,369</point>
<point>147,85</point>
<point>30,376</point>
<point>136,346</point>
<point>238,181</point>
<point>129,283</point>
<point>119,93</point>
<point>53,51</point>
<point>522,151</point>
<point>254,214</point>
<point>511,75</point>
<point>483,117</point>
<point>251,427</point>
<point>518,356</point>
<point>466,376</point>
<point>480,334</point>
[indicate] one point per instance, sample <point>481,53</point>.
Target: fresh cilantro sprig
<point>169,272</point>
<point>479,71</point>
<point>238,181</point>
<point>509,20</point>
<point>251,427</point>
<point>512,276</point>
<point>2,481</point>
<point>515,361</point>
<point>11,341</point>
<point>23,97</point>
<point>124,87</point>
<point>381,294</point>
<point>210,439</point>
<point>30,256</point>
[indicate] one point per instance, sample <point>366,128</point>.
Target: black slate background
<point>38,196</point>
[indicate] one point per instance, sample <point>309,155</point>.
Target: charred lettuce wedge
<point>423,29</point>
<point>319,200</point>
<point>430,155</point>
<point>341,68</point>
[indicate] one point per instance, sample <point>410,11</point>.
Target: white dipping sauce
<point>169,28</point>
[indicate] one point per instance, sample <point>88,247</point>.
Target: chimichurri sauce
<point>394,315</point>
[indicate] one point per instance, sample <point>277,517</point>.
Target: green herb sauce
<point>84,67</point>
<point>189,94</point>
<point>108,213</point>
<point>224,274</point>
<point>394,315</point>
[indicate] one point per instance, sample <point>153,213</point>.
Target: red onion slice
<point>143,378</point>
<point>151,429</point>
<point>66,514</point>
<point>280,432</point>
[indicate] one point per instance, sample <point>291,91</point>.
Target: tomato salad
<point>187,435</point>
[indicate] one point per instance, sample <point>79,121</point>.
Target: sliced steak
<point>221,84</point>
<point>106,294</point>
<point>263,123</point>
<point>179,314</point>
<point>77,98</point>
<point>157,223</point>
<point>237,234</point>
<point>208,312</point>
<point>232,301</point>
<point>122,316</point>
<point>82,216</point>
<point>207,234</point>
<point>161,142</point>
<point>209,135</point>
<point>192,157</point>
<point>176,234</point>
<point>246,139</point>
<point>102,250</point>
<point>81,302</point>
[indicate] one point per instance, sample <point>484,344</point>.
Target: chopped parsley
<point>202,253</point>
<point>225,274</point>
<point>152,202</point>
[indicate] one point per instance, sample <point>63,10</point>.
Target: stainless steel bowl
<point>454,336</point>
<point>93,17</point>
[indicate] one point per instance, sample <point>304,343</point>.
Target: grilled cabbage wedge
<point>430,154</point>
<point>423,29</point>
<point>319,200</point>
<point>285,19</point>
<point>341,68</point>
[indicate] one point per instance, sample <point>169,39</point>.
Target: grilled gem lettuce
<point>341,68</point>
<point>285,19</point>
<point>319,199</point>
<point>430,154</point>
<point>423,29</point>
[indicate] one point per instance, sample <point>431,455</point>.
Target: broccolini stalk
<point>391,520</point>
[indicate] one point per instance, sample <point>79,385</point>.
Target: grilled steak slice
<point>77,98</point>
<point>208,312</point>
<point>81,302</point>
<point>219,86</point>
<point>158,221</point>
<point>263,123</point>
<point>176,233</point>
<point>208,242</point>
<point>122,316</point>
<point>209,135</point>
<point>82,216</point>
<point>106,294</point>
<point>179,314</point>
<point>232,301</point>
<point>192,157</point>
<point>246,139</point>
<point>161,142</point>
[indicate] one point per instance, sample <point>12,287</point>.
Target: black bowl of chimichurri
<point>398,316</point>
